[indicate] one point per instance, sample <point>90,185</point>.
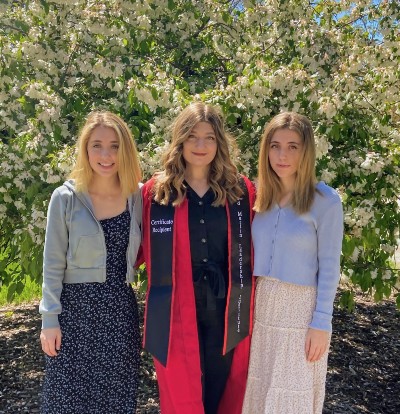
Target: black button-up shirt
<point>208,228</point>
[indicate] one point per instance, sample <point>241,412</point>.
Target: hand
<point>317,342</point>
<point>51,341</point>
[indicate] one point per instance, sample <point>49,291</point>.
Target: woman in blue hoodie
<point>90,330</point>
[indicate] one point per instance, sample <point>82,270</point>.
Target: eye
<point>274,146</point>
<point>210,138</point>
<point>115,146</point>
<point>293,147</point>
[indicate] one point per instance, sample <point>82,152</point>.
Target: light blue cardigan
<point>303,249</point>
<point>75,249</point>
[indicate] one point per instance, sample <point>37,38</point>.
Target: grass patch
<point>32,291</point>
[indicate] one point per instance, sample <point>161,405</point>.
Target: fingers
<point>314,354</point>
<point>308,346</point>
<point>46,348</point>
<point>58,342</point>
<point>318,354</point>
<point>52,347</point>
<point>316,344</point>
<point>51,341</point>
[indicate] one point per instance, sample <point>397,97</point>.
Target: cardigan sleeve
<point>54,261</point>
<point>329,239</point>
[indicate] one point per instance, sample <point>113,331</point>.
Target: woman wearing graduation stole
<point>197,246</point>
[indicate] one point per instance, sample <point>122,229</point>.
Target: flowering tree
<point>336,62</point>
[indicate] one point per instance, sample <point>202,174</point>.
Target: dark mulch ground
<point>363,376</point>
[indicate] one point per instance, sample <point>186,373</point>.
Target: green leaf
<point>32,191</point>
<point>131,97</point>
<point>171,4</point>
<point>348,246</point>
<point>346,300</point>
<point>135,132</point>
<point>3,265</point>
<point>154,93</point>
<point>144,47</point>
<point>22,25</point>
<point>378,295</point>
<point>226,17</point>
<point>387,290</point>
<point>45,6</point>
<point>231,119</point>
<point>19,287</point>
<point>11,291</point>
<point>365,281</point>
<point>335,132</point>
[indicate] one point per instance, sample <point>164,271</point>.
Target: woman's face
<point>102,149</point>
<point>200,147</point>
<point>284,154</point>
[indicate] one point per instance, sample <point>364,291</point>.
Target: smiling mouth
<point>106,165</point>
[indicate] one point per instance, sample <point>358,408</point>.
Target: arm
<point>329,239</point>
<point>54,264</point>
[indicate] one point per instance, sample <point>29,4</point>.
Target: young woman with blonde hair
<point>90,329</point>
<point>197,246</point>
<point>297,234</point>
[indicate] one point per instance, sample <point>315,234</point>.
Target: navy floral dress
<point>96,370</point>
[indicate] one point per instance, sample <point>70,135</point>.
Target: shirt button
<point>202,221</point>
<point>203,240</point>
<point>205,260</point>
<point>200,203</point>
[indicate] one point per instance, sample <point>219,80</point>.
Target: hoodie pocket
<point>89,251</point>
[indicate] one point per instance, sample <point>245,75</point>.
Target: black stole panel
<point>159,297</point>
<point>239,300</point>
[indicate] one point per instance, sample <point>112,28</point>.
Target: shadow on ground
<point>363,375</point>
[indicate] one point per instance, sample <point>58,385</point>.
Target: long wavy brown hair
<point>223,175</point>
<point>269,188</point>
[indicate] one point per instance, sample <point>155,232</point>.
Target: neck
<point>287,185</point>
<point>104,185</point>
<point>197,178</point>
<point>193,174</point>
<point>287,189</point>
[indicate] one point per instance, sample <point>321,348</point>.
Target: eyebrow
<point>290,142</point>
<point>99,140</point>
<point>209,134</point>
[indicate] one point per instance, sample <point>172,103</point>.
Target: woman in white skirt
<point>297,236</point>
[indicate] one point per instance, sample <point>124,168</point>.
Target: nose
<point>105,152</point>
<point>282,153</point>
<point>200,142</point>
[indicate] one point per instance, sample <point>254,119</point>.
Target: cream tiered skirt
<point>280,379</point>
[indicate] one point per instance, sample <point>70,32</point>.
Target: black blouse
<point>208,228</point>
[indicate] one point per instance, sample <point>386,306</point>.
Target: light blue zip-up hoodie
<point>75,248</point>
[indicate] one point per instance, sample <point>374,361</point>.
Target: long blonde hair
<point>269,186</point>
<point>129,172</point>
<point>223,175</point>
